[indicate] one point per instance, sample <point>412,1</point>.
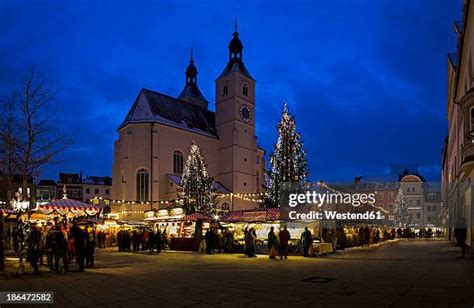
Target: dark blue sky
<point>366,80</point>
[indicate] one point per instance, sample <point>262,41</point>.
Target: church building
<point>155,136</point>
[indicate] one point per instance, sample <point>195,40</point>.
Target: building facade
<point>98,187</point>
<point>423,198</point>
<point>46,191</point>
<point>155,136</point>
<point>458,151</point>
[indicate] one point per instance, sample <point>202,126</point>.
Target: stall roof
<point>69,204</point>
<point>197,217</point>
<point>271,214</point>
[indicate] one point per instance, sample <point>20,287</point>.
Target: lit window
<point>177,162</point>
<point>142,185</point>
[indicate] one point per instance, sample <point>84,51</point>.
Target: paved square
<point>408,273</point>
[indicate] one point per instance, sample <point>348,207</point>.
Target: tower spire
<point>191,92</point>
<point>235,46</point>
<point>236,26</point>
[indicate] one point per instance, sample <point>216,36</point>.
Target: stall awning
<point>197,217</point>
<point>69,204</point>
<point>260,215</point>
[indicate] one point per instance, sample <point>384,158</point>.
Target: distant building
<point>458,151</point>
<point>10,184</point>
<point>73,183</point>
<point>46,190</point>
<point>96,187</point>
<point>423,198</point>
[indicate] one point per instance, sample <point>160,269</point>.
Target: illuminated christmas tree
<point>288,159</point>
<point>401,209</point>
<point>196,184</point>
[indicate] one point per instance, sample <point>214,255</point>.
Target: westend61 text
<point>331,215</point>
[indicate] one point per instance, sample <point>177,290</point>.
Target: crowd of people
<point>61,244</point>
<point>142,240</point>
<point>219,240</point>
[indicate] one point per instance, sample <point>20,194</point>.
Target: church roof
<point>155,107</point>
<point>192,91</point>
<point>235,66</point>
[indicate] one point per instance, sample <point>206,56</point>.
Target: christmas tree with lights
<point>401,209</point>
<point>196,184</point>
<point>288,159</point>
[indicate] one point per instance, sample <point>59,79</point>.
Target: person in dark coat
<point>134,240</point>
<point>151,241</point>
<point>306,241</point>
<point>209,239</point>
<point>367,236</point>
<point>58,245</point>
<point>80,243</point>
<point>158,241</point>
<point>460,233</point>
<point>90,248</point>
<point>284,237</point>
<point>33,252</point>
<point>272,243</point>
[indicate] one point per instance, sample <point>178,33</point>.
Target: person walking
<point>58,246</point>
<point>90,248</point>
<point>284,237</point>
<point>272,244</point>
<point>229,241</point>
<point>254,243</point>
<point>367,236</point>
<point>306,241</point>
<point>209,238</point>
<point>151,241</point>
<point>460,233</point>
<point>247,242</point>
<point>158,241</point>
<point>33,251</point>
<point>80,243</point>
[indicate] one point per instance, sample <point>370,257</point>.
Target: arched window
<point>142,185</point>
<point>225,90</point>
<point>245,90</point>
<point>177,162</point>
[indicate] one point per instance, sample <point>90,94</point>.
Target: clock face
<point>245,113</point>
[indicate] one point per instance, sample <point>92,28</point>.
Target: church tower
<point>235,123</point>
<point>191,92</point>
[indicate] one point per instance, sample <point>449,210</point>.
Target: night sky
<point>366,80</point>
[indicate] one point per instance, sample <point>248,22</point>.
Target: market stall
<point>180,231</point>
<point>261,220</point>
<point>68,209</point>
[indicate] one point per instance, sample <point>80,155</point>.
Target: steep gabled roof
<point>155,107</point>
<point>235,66</point>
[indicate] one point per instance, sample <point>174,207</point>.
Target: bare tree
<point>7,148</point>
<point>31,136</point>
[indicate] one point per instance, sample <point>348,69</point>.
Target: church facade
<point>155,136</point>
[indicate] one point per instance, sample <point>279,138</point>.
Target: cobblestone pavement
<point>409,273</point>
